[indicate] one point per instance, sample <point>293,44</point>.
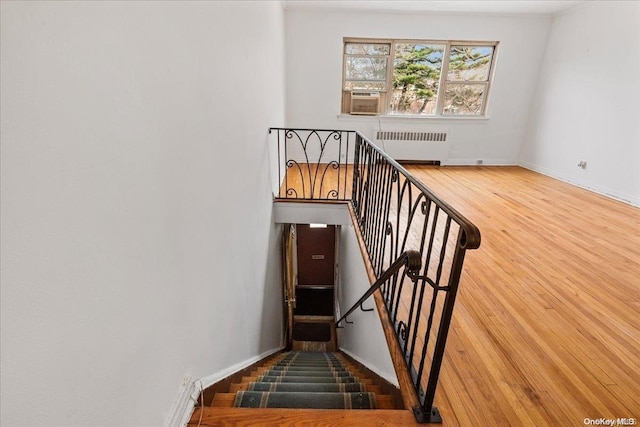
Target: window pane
<point>463,99</point>
<point>416,74</point>
<point>367,49</point>
<point>470,63</point>
<point>366,68</point>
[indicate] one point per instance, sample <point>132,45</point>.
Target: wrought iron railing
<point>314,164</point>
<point>395,213</point>
<point>410,261</point>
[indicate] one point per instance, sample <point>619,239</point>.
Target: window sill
<point>411,119</point>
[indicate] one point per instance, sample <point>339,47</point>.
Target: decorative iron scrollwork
<point>402,330</point>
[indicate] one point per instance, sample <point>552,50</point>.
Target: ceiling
<point>525,7</point>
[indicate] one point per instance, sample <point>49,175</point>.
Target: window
<point>365,66</point>
<point>416,78</point>
<point>420,78</point>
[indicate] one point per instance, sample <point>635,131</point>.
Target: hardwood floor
<point>546,328</point>
<point>320,182</point>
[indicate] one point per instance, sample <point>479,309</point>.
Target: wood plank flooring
<point>546,328</point>
<point>323,181</point>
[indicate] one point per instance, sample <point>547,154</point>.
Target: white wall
<point>311,213</point>
<point>588,100</point>
<point>136,203</point>
<point>314,74</point>
<point>363,340</point>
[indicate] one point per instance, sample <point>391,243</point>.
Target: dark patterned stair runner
<point>306,380</point>
<point>307,387</point>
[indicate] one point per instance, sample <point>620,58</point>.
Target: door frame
<point>290,277</point>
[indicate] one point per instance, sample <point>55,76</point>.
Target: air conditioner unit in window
<point>364,103</point>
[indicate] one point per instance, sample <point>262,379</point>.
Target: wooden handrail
<point>471,236</point>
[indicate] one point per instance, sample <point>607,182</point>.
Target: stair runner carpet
<point>307,380</point>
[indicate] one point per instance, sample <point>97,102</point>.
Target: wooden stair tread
<point>272,417</point>
<point>225,400</point>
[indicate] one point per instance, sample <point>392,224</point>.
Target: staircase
<point>302,388</point>
<point>304,380</point>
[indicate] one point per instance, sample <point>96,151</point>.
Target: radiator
<point>394,135</point>
<point>413,145</point>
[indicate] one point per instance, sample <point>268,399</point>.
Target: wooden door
<point>316,255</point>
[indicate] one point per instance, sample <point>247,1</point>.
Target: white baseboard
<point>183,405</point>
<point>607,192</point>
<point>214,378</point>
<point>190,390</point>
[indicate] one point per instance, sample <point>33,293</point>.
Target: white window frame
<point>352,55</point>
<point>442,85</point>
